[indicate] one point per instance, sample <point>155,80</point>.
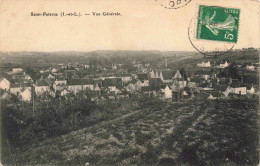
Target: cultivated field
<point>191,132</point>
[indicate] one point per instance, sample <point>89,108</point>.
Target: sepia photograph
<point>133,82</point>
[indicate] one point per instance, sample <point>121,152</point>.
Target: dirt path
<point>107,122</point>
<point>186,57</point>
<point>112,121</point>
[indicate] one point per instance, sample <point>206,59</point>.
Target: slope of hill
<point>191,132</point>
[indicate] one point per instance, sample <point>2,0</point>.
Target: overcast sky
<point>144,25</point>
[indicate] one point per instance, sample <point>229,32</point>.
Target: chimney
<point>230,81</point>
<point>242,81</point>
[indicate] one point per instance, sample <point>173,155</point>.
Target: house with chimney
<point>95,92</point>
<point>152,74</point>
<point>16,89</point>
<point>250,89</point>
<point>143,78</point>
<point>178,80</point>
<point>22,78</point>
<point>59,84</point>
<point>76,85</point>
<point>167,76</point>
<point>224,89</point>
<point>42,86</point>
<point>237,87</point>
<point>139,84</point>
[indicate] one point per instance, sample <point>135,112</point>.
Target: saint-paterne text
<point>44,14</point>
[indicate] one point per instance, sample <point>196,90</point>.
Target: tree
<point>231,71</point>
<point>183,73</point>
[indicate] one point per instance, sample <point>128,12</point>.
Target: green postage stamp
<point>218,23</point>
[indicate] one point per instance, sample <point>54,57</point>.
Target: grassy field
<point>186,133</point>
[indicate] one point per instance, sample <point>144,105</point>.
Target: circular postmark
<point>207,47</point>
<point>173,4</point>
<point>208,40</point>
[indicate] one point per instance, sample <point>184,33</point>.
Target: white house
<point>211,97</point>
<point>205,76</point>
<point>75,88</point>
<point>60,82</point>
<point>251,90</point>
<point>41,87</point>
<point>177,75</point>
<point>27,77</point>
<point>167,92</point>
<point>114,89</point>
<point>26,94</point>
<point>178,81</point>
<point>143,78</point>
<point>204,64</point>
<point>238,90</point>
<point>184,93</point>
<point>50,76</point>
<point>152,74</point>
<point>126,79</point>
<point>54,70</point>
<point>224,65</point>
<point>96,88</point>
<point>17,89</point>
<point>4,84</point>
<point>42,71</point>
<point>77,85</point>
<point>223,89</point>
<point>226,92</point>
<point>17,70</point>
<point>140,84</point>
<point>250,67</point>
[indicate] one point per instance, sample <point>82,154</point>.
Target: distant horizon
<point>118,50</point>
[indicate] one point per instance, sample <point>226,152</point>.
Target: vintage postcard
<point>133,82</point>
